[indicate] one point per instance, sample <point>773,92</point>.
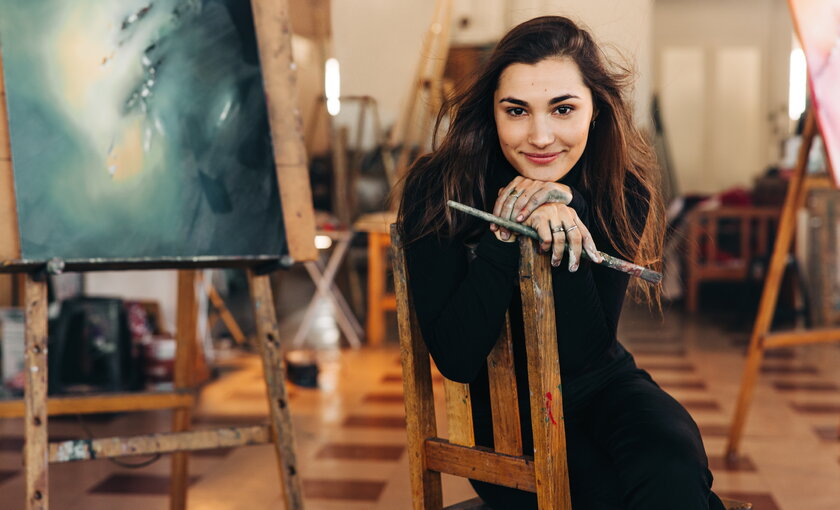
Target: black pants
<point>631,446</point>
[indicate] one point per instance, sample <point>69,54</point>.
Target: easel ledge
<point>258,264</point>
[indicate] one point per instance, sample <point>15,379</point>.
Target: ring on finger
<point>571,228</point>
<point>554,230</point>
<point>516,193</point>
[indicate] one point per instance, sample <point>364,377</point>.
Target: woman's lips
<point>541,158</point>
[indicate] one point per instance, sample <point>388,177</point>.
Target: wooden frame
<point>274,40</point>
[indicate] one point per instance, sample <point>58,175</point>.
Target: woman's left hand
<point>522,196</point>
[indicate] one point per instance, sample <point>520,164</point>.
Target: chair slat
<point>459,413</point>
<point>551,469</point>
<point>507,431</point>
<point>481,464</point>
<point>417,385</point>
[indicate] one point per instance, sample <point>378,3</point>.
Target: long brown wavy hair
<point>458,168</point>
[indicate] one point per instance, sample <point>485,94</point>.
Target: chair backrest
<point>546,473</point>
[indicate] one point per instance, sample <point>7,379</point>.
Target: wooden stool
<point>546,472</point>
<point>376,225</point>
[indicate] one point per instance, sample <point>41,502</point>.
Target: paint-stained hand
<point>518,200</point>
<point>559,225</point>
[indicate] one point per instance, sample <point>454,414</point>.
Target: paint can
<point>302,368</point>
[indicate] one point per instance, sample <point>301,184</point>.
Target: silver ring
<point>571,228</point>
<point>516,193</point>
<point>558,229</point>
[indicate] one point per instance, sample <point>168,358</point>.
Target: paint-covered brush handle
<point>609,261</point>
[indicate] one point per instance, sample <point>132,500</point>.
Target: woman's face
<point>543,112</point>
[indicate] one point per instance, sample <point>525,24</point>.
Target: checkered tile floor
<point>351,432</point>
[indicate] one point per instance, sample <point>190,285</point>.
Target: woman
<point>545,137</point>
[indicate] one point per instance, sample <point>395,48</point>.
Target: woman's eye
<point>516,112</point>
<point>564,110</point>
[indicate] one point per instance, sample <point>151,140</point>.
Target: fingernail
<point>504,235</point>
<point>493,227</point>
<point>574,268</point>
<point>520,218</point>
<point>554,261</point>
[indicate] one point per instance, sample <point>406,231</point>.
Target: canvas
<point>818,26</point>
<point>138,130</point>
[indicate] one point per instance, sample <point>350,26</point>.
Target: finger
<point>504,233</point>
<point>589,245</point>
<point>507,207</point>
<point>559,244</point>
<point>544,231</point>
<point>546,193</point>
<point>574,239</point>
<point>529,187</point>
<point>504,193</point>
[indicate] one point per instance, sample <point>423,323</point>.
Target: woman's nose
<point>540,134</point>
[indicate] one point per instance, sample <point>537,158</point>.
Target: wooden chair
<point>753,227</point>
<point>546,473</point>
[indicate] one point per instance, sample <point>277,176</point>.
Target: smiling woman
<point>545,137</point>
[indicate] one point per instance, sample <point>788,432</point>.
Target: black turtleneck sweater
<point>461,295</point>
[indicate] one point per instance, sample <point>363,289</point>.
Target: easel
<point>412,130</point>
<point>762,338</point>
<point>274,41</point>
<point>427,94</point>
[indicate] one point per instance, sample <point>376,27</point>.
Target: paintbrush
<point>609,261</point>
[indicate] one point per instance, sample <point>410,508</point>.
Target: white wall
<point>727,132</point>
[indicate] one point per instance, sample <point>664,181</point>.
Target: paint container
<point>302,368</point>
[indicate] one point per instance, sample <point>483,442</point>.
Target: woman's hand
<point>559,225</point>
<point>522,196</point>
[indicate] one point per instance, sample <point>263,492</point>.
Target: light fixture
<point>332,86</point>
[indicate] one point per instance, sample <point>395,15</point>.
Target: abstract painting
<point>139,130</point>
<point>818,26</point>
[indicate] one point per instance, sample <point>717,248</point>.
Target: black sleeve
<point>461,305</point>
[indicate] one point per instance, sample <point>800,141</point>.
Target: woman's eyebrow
<point>564,97</point>
<point>514,101</point>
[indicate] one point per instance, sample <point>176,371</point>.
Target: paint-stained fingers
<point>559,242</point>
<point>544,231</point>
<point>546,193</point>
<point>529,188</point>
<point>575,240</point>
<point>500,201</point>
<point>504,196</point>
<point>589,246</point>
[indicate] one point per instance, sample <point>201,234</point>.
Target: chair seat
<point>470,504</point>
<point>477,504</point>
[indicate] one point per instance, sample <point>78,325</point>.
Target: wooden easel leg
<point>35,410</point>
<point>184,355</point>
<point>275,380</point>
<point>772,282</point>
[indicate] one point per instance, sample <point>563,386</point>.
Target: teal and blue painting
<point>139,130</point>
